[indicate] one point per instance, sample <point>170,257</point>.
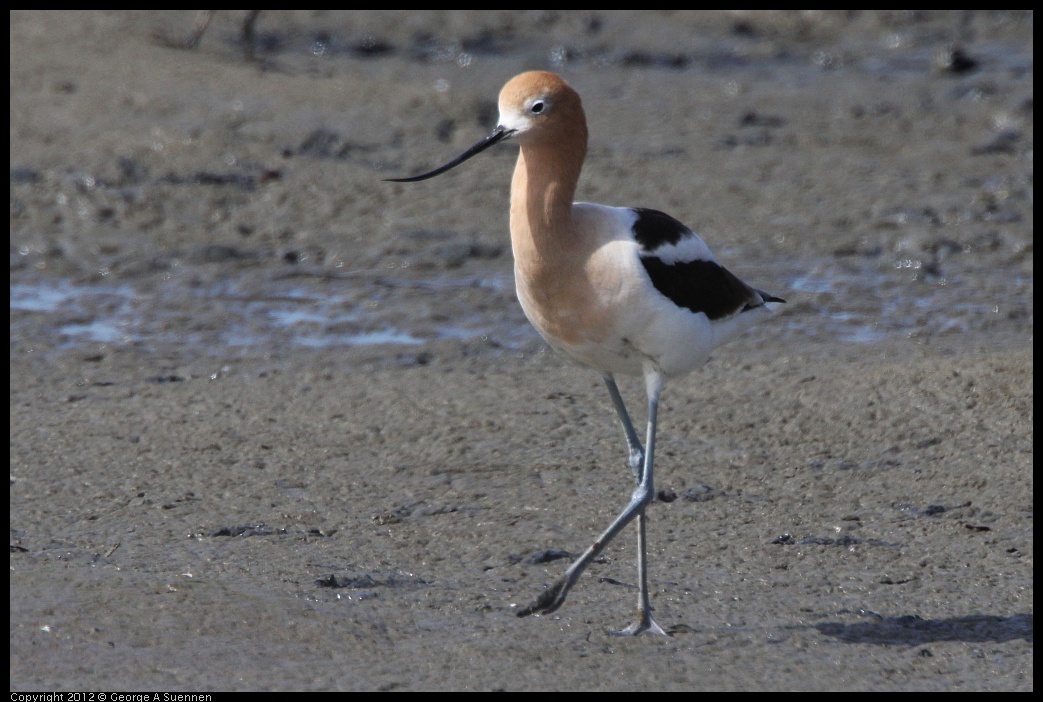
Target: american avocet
<point>619,289</point>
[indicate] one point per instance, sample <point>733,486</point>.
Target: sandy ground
<point>277,424</point>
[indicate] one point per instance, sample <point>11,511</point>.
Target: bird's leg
<point>637,454</point>
<point>553,597</point>
<point>645,622</point>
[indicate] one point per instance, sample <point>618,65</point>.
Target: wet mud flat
<point>277,424</point>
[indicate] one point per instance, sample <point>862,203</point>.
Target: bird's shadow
<point>912,630</point>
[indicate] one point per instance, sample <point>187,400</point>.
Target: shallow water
<point>864,302</point>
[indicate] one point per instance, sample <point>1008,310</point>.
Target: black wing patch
<point>698,285</point>
<point>654,229</point>
<point>703,286</point>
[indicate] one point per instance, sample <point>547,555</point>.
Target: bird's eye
<point>537,107</point>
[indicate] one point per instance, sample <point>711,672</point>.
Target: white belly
<point>625,327</point>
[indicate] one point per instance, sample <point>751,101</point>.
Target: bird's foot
<point>549,600</point>
<point>644,625</point>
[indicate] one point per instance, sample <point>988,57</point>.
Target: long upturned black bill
<point>497,135</point>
